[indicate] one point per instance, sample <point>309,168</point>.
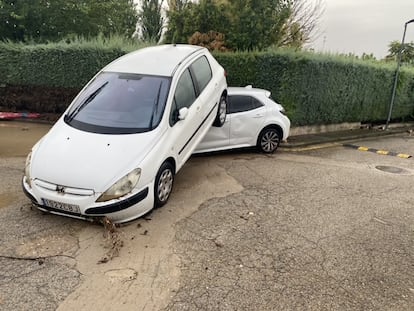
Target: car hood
<point>70,157</point>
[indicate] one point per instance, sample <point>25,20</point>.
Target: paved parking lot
<point>314,229</point>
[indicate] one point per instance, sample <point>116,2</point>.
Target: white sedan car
<point>116,149</point>
<point>253,119</point>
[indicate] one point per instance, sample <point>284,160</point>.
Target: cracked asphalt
<point>34,275</point>
<point>320,229</point>
<point>316,230</point>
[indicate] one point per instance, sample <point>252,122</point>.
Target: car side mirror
<point>182,113</point>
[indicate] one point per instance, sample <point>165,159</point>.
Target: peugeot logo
<point>60,189</point>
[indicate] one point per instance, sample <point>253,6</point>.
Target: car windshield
<point>119,103</point>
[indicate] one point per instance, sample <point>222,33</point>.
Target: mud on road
<point>317,230</point>
<point>51,262</point>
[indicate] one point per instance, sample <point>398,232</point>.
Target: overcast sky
<point>358,26</point>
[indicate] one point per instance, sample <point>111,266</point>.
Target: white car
<point>116,149</point>
<point>253,119</point>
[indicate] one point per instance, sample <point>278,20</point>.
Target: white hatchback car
<point>253,119</point>
<point>116,149</point>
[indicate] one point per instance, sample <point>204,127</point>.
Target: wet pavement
<point>17,138</point>
<point>307,228</point>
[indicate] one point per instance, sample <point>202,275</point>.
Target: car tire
<point>221,112</point>
<point>163,185</point>
<point>268,140</point>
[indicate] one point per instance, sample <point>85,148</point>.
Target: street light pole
<point>397,74</point>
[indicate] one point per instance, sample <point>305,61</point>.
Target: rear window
<point>240,103</point>
<point>202,71</point>
<point>119,103</point>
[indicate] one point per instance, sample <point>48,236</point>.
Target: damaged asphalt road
<point>317,230</point>
<point>52,262</point>
<point>330,236</point>
<point>37,256</point>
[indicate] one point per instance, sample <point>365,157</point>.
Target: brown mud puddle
<point>17,138</point>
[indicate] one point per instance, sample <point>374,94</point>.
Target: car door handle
<point>258,116</point>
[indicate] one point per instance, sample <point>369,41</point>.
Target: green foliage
<point>407,52</point>
<point>323,89</point>
<point>63,64</point>
<point>185,18</point>
<point>314,88</point>
<point>246,25</point>
<point>43,20</point>
<point>257,24</point>
<point>240,67</point>
<point>150,20</point>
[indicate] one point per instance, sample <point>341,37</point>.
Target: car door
<point>183,130</point>
<point>216,136</point>
<point>247,118</point>
<point>202,76</point>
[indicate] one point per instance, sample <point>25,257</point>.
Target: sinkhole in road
<point>391,169</point>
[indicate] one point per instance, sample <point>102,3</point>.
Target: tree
<point>11,16</point>
<point>112,16</point>
<point>257,24</point>
<point>46,20</point>
<point>302,25</point>
<point>185,18</point>
<point>407,52</point>
<point>245,24</point>
<point>214,41</point>
<point>151,20</point>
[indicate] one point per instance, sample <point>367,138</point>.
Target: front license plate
<point>62,206</point>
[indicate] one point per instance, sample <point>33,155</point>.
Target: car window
<point>202,72</point>
<point>240,103</point>
<point>184,95</point>
<point>119,103</point>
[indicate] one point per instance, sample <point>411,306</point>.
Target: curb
<point>302,141</point>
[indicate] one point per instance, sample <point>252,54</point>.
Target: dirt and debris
<point>113,241</point>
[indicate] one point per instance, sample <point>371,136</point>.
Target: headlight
<point>27,169</point>
<point>121,187</point>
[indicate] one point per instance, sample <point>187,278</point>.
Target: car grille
<point>63,189</point>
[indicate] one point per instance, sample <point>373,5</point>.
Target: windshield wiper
<point>87,101</point>
<point>155,110</point>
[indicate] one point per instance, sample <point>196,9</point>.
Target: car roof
<point>247,90</point>
<point>160,60</point>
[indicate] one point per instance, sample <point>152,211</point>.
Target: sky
<point>364,26</point>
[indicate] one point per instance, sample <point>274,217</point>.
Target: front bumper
<point>119,210</point>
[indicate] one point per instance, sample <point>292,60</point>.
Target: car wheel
<point>268,140</point>
<point>221,112</point>
<point>163,184</point>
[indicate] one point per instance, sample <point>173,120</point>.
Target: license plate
<point>62,206</point>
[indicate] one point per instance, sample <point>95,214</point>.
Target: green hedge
<point>314,88</point>
<point>323,89</point>
<point>57,64</point>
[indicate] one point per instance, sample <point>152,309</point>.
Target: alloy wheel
<point>269,141</point>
